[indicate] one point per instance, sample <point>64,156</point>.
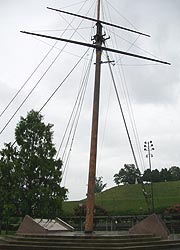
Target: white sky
<point>154,89</point>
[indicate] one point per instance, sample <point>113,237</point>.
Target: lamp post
<point>148,146</point>
<point>81,213</point>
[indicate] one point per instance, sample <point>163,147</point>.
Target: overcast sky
<point>153,89</point>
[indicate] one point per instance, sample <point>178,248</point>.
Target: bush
<point>175,209</point>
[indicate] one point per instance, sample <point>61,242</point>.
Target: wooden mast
<point>98,41</point>
<point>94,131</point>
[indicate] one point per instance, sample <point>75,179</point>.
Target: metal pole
<point>94,132</point>
<point>152,189</point>
<point>150,166</point>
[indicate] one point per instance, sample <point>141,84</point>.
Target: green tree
<point>175,173</point>
<point>165,175</point>
<point>120,177</point>
<point>147,175</point>
<point>129,174</point>
<point>153,175</point>
<point>37,173</point>
<point>8,184</point>
<point>156,177</point>
<point>99,185</point>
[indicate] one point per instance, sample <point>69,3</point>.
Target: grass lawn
<point>129,199</point>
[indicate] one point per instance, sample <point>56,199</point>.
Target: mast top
<point>98,10</point>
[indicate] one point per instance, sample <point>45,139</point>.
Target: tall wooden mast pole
<point>98,41</point>
<point>94,132</point>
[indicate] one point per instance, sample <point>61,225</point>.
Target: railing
<point>105,223</point>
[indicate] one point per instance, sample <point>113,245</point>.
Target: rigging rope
<point>71,116</point>
<point>108,3</point>
<point>133,44</point>
<point>62,16</point>
<point>132,149</point>
<point>80,97</point>
<point>24,84</point>
<point>57,88</point>
<point>70,29</point>
<point>22,103</point>
<point>131,114</point>
<point>122,113</point>
<point>63,81</point>
<point>64,51</point>
<point>37,67</point>
<point>129,106</point>
<point>126,94</point>
<point>128,103</point>
<point>74,4</point>
<point>132,119</point>
<point>73,129</point>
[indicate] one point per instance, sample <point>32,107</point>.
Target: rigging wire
<point>143,187</point>
<point>133,122</point>
<point>106,115</point>
<point>122,113</point>
<point>77,115</point>
<point>61,15</point>
<point>70,118</point>
<point>24,84</point>
<point>31,91</point>
<point>145,193</point>
<point>67,52</point>
<point>126,127</point>
<point>126,96</point>
<point>146,51</point>
<point>57,88</point>
<point>37,67</point>
<point>73,68</point>
<point>73,136</point>
<point>132,149</point>
<point>70,29</point>
<point>75,107</point>
<point>81,98</point>
<point>74,132</point>
<point>34,71</point>
<point>108,3</point>
<point>129,106</point>
<point>133,44</point>
<point>74,4</point>
<point>131,114</point>
<point>120,58</point>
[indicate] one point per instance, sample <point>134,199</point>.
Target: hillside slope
<point>129,199</point>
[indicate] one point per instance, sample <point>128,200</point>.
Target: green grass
<point>129,199</point>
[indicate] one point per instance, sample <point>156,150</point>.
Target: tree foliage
<point>174,172</point>
<point>127,175</point>
<point>30,175</point>
<point>99,185</point>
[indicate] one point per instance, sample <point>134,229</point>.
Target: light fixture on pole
<point>148,146</point>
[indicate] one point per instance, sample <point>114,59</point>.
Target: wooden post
<point>94,132</point>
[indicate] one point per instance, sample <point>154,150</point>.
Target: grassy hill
<point>129,199</point>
